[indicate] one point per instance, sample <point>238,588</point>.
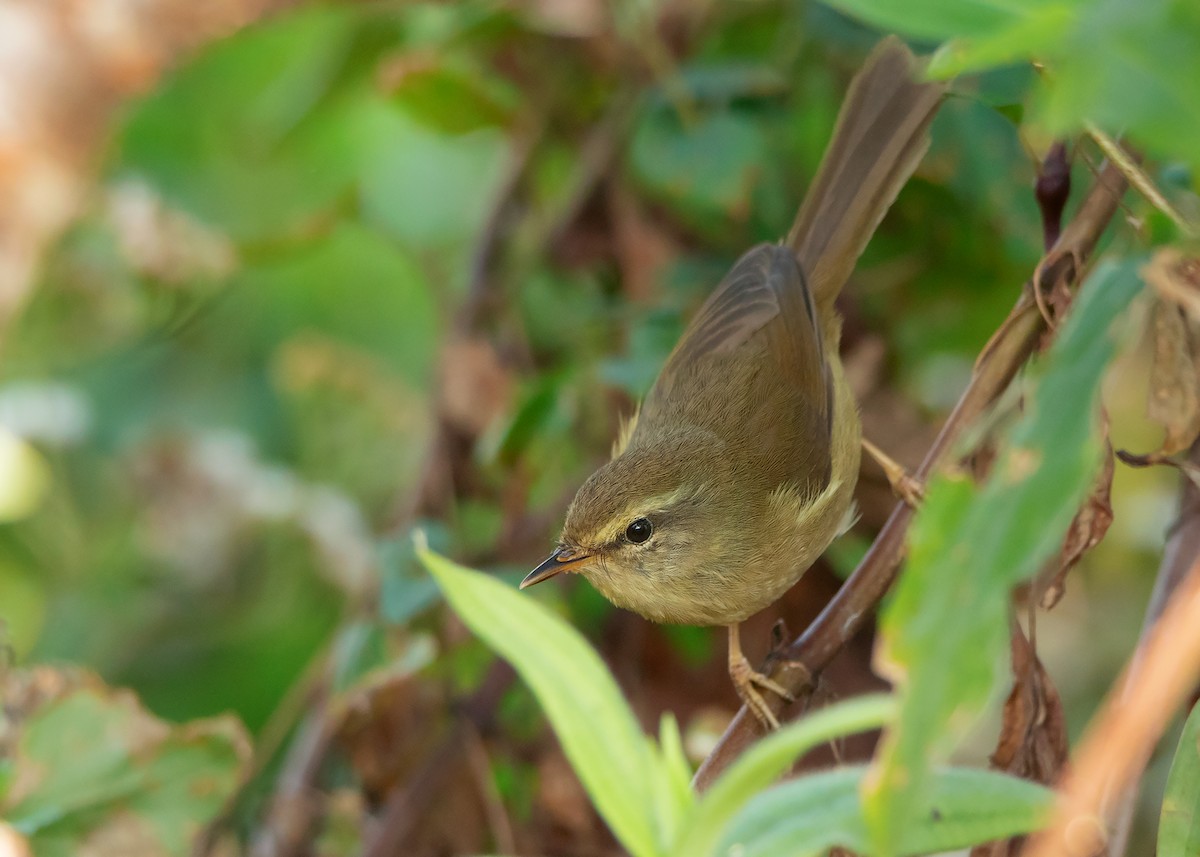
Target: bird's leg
<point>908,489</point>
<point>747,680</point>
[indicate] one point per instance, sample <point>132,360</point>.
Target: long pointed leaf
<point>597,730</point>
<point>1179,827</point>
<point>763,763</point>
<point>809,815</point>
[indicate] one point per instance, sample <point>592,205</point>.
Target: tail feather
<point>882,132</point>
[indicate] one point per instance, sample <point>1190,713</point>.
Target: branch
<point>1180,554</point>
<point>1160,676</point>
<point>997,365</point>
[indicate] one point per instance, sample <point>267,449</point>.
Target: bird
<point>738,469</point>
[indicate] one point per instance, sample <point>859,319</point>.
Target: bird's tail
<point>881,134</point>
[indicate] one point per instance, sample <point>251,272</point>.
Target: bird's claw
<point>747,681</point>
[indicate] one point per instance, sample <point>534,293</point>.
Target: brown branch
<point>299,712</point>
<point>1180,554</point>
<point>1160,677</point>
<point>489,793</point>
<point>472,312</point>
<point>597,153</point>
<point>297,806</point>
<point>998,364</point>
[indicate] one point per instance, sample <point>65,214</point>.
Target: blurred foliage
<point>93,768</point>
<point>944,635</point>
<point>363,268</point>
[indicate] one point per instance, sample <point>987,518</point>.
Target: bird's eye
<point>639,531</point>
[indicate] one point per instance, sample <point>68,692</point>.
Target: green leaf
<point>352,285</point>
<point>1179,826</point>
<point>429,189</point>
<point>248,347</point>
<point>811,814</point>
<point>765,761</point>
<point>1031,36</point>
<point>722,82</point>
<point>616,763</point>
<point>707,171</point>
<point>674,798</point>
<point>939,19</point>
<point>1131,69</point>
<point>405,590</point>
<point>943,638</point>
<point>1125,67</point>
<point>231,137</point>
<point>675,766</point>
<point>94,764</point>
<point>453,96</point>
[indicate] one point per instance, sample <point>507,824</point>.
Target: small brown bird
<point>739,468</point>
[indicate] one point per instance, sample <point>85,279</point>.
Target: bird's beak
<point>563,559</point>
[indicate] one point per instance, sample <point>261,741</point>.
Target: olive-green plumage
<point>744,455</point>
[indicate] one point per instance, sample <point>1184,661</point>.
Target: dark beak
<point>563,559</point>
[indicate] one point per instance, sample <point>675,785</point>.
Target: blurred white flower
<point>50,413</point>
<point>163,242</point>
<point>203,492</point>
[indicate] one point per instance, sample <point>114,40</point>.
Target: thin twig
<point>489,795</point>
<point>1138,179</point>
<point>483,254</point>
<point>297,807</point>
<point>306,695</point>
<point>597,153</point>
<point>999,362</point>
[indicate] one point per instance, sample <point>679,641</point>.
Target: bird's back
<point>751,371</point>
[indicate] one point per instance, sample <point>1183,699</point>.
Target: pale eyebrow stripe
<point>645,508</point>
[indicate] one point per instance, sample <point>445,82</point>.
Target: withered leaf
<point>1033,735</point>
<point>1175,277</point>
<point>1087,528</point>
<point>1175,327</point>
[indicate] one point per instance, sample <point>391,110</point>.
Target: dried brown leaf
<point>1174,388</point>
<point>1175,277</point>
<point>1175,374</point>
<point>1052,190</point>
<point>1087,528</point>
<point>1033,736</point>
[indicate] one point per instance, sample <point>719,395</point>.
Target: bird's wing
<point>755,345</point>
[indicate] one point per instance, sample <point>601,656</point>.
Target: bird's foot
<point>747,681</point>
<point>904,486</point>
